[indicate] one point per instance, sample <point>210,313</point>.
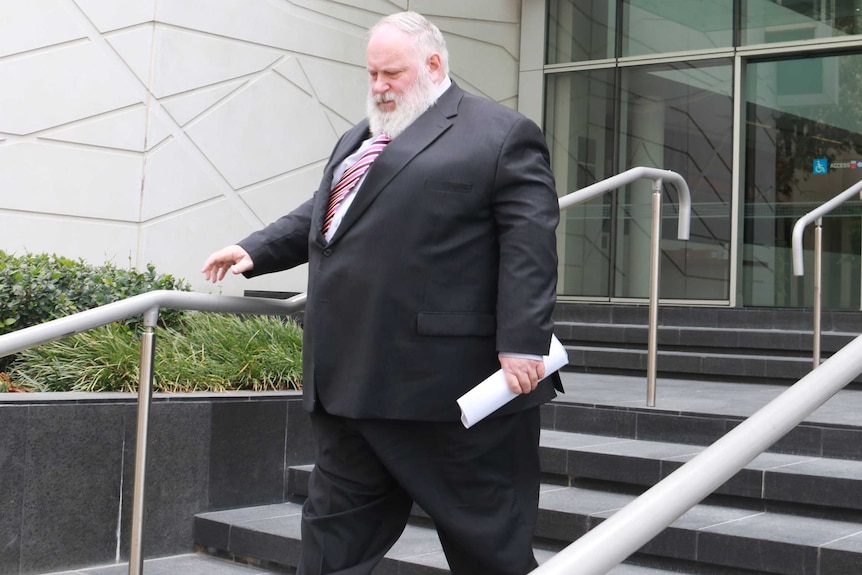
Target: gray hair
<point>429,39</point>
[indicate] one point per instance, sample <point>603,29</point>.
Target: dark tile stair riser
<point>717,340</point>
<point>838,442</point>
<point>709,317</point>
<point>742,345</point>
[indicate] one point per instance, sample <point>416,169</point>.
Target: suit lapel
<point>418,136</point>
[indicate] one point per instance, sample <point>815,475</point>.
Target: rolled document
<point>493,393</point>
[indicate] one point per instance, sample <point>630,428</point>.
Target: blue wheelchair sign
<point>821,165</point>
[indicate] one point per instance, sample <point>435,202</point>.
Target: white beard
<point>408,106</point>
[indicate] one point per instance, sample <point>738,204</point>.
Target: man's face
<point>401,85</point>
<point>393,66</point>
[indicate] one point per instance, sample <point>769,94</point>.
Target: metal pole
<point>145,394</point>
<point>655,263</point>
<point>818,277</point>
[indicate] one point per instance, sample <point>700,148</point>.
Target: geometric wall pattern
<point>156,131</point>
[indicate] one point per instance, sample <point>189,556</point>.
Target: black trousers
<point>479,485</point>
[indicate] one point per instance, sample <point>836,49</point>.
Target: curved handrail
<point>137,305</point>
<point>627,530</point>
<point>629,176</point>
<point>812,216</point>
<point>147,304</point>
<point>816,215</point>
<point>657,176</point>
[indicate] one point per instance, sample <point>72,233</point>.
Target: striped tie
<point>352,175</point>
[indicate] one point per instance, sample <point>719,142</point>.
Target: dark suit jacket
<point>446,256</point>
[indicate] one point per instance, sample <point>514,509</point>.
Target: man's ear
<point>435,67</point>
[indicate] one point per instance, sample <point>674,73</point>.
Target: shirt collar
<point>443,85</point>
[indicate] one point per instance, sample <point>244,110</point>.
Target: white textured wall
<point>155,131</point>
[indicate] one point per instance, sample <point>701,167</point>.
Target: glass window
<point>803,147</point>
<point>768,21</point>
<point>579,126</point>
<point>676,117</point>
<point>580,30</point>
<point>662,26</point>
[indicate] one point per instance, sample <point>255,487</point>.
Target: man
<point>434,271</point>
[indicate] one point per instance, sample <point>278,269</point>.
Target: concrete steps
<point>783,513</point>
<point>794,510</point>
<point>270,533</point>
<point>709,343</point>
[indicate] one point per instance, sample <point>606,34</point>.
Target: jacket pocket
<point>448,186</point>
<point>455,323</point>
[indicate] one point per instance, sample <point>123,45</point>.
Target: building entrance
<point>803,146</point>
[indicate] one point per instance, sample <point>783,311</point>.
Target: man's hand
<point>232,258</point>
<point>522,375</point>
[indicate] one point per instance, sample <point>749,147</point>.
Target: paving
<point>702,397</point>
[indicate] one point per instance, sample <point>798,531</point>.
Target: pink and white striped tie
<point>352,175</point>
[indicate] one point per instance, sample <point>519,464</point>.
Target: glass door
<point>675,116</point>
<point>803,147</point>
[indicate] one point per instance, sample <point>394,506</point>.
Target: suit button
<point>327,252</point>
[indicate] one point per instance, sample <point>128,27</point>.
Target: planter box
<point>67,470</point>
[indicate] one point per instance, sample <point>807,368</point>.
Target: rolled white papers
<point>493,393</point>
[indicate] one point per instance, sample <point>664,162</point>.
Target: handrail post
<point>657,176</point>
<point>145,394</point>
<point>818,286</point>
<point>816,216</point>
<point>655,263</point>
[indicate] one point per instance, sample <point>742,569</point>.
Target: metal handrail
<point>627,530</point>
<point>657,176</point>
<point>147,304</point>
<point>816,215</point>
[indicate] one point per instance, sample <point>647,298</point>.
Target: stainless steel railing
<point>609,543</point>
<point>816,215</point>
<point>657,176</point>
<point>147,304</point>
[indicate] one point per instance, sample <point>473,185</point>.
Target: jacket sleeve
<point>526,210</point>
<point>282,244</point>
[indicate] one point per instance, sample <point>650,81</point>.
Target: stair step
<point>772,477</point>
<point>270,533</point>
<point>729,366</point>
<point>784,341</point>
<point>797,479</point>
<point>698,412</point>
<point>721,536</point>
<point>707,316</point>
<point>718,535</point>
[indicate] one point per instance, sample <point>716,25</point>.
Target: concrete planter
<point>67,470</point>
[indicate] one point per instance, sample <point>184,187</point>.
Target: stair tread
<point>418,545</point>
<point>283,518</point>
<point>645,449</point>
<point>695,353</point>
<point>562,509</point>
<point>700,328</point>
<point>727,520</point>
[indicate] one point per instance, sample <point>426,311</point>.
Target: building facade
<point>155,131</point>
<point>756,103</point>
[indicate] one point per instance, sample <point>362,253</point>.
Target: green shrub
<point>207,351</point>
<point>36,288</point>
